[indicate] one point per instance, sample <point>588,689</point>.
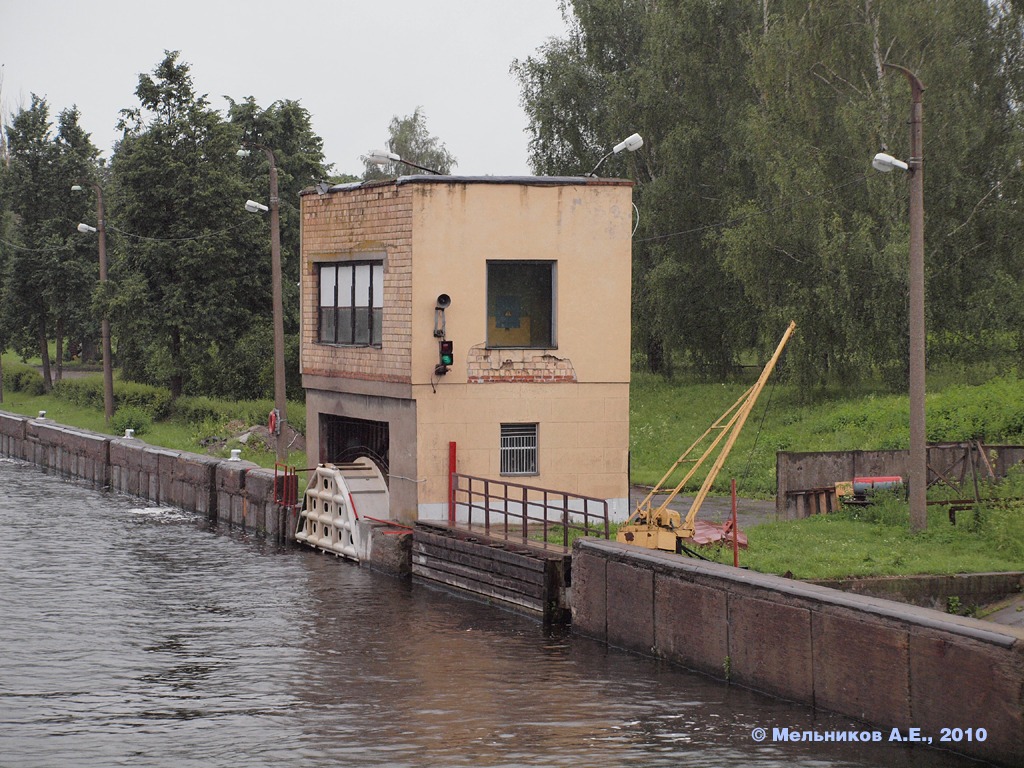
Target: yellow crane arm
<point>662,528</point>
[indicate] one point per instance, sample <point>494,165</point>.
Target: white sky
<point>352,64</point>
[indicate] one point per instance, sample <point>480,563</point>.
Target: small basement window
<point>519,449</point>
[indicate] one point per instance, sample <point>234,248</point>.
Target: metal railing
<point>522,510</point>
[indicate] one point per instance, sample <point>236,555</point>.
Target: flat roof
<point>526,181</point>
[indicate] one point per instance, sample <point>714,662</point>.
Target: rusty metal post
<point>735,529</point>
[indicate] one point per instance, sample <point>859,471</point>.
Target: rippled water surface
<point>136,635</point>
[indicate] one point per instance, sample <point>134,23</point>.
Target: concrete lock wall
<point>883,663</point>
<point>236,492</point>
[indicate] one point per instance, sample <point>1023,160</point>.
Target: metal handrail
<point>532,505</point>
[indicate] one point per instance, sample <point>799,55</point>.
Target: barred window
<point>352,303</point>
<point>519,449</point>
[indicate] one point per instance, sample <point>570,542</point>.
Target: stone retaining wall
<point>887,664</point>
<point>236,492</point>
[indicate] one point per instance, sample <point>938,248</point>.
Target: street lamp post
<point>918,474</point>
<point>101,231</point>
<point>383,157</point>
<point>631,143</point>
<point>280,401</point>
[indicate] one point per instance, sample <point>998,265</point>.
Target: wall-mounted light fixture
<point>445,348</point>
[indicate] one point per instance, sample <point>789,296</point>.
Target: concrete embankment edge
<point>235,492</point>
<point>238,493</point>
<point>883,663</point>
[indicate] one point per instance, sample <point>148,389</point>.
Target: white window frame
<point>351,294</point>
<point>519,449</point>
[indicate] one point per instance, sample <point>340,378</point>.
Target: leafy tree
<point>50,270</point>
<point>193,269</point>
<point>675,73</point>
<point>757,203</point>
<point>410,140</point>
<point>837,261</point>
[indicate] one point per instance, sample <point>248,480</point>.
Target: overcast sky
<point>354,64</point>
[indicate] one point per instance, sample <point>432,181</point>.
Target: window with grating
<point>519,449</point>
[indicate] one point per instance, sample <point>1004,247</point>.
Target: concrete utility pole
<point>918,435</point>
<point>101,234</point>
<point>280,400</point>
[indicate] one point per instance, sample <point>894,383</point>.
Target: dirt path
<point>715,509</point>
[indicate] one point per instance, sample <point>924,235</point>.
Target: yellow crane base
<point>651,537</point>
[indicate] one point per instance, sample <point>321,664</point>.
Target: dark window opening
<point>344,439</point>
<point>521,304</point>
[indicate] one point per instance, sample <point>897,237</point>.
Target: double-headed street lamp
<point>918,475</point>
<point>280,416</point>
<point>101,231</point>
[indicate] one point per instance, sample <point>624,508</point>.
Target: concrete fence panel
<point>68,452</point>
<point>799,472</point>
<point>235,492</point>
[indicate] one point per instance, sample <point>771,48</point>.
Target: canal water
<point>133,635</point>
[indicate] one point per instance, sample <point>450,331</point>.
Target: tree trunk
<point>60,350</point>
<point>44,355</point>
<point>177,365</point>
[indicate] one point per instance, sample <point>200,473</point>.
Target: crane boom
<point>663,528</point>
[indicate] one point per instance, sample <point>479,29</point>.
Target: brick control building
<point>528,278</point>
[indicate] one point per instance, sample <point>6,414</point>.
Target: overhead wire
<point>762,212</point>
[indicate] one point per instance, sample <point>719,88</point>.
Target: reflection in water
<point>139,636</point>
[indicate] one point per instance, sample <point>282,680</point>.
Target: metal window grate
<point>519,449</point>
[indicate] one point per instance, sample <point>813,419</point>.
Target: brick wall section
<point>887,664</point>
<point>368,222</point>
<point>507,365</point>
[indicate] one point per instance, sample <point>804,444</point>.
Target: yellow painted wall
<point>583,432</point>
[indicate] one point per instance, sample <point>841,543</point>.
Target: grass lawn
<point>876,541</point>
<point>170,433</point>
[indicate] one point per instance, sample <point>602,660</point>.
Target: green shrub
<point>86,392</point>
<point>23,378</point>
<point>209,410</point>
<point>131,417</point>
<point>156,401</point>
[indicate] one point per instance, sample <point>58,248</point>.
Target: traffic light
<point>447,349</point>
